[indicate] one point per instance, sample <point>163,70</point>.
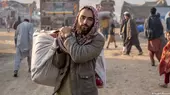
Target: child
<point>111,37</point>
<point>164,66</point>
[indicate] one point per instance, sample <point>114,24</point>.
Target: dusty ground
<point>126,75</point>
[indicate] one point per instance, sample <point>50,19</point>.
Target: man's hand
<point>129,38</point>
<point>54,35</point>
<point>65,31</point>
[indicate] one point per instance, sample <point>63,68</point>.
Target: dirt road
<point>126,75</point>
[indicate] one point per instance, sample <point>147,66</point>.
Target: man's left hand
<point>129,38</point>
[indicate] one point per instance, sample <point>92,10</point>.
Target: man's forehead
<point>86,12</point>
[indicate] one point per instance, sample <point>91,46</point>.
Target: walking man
<point>111,37</point>
<point>163,39</point>
<point>8,23</point>
<point>24,45</point>
<point>154,31</point>
<point>105,27</point>
<point>130,34</point>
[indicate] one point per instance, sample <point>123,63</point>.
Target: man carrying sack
<point>79,46</point>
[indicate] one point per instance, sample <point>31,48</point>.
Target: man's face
<point>85,21</point>
<point>126,17</point>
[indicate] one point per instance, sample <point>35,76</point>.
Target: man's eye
<point>91,19</point>
<point>83,17</point>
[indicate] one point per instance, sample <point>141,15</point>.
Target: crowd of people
<point>158,41</point>
<point>81,45</point>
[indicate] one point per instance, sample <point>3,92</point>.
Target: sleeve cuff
<point>69,41</point>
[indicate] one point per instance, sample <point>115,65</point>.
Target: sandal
<point>163,85</point>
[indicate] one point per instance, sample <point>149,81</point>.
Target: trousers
<point>19,56</point>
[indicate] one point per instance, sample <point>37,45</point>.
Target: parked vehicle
<point>55,14</point>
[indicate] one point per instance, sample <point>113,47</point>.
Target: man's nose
<point>85,21</point>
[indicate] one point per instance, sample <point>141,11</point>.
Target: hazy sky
<point>93,2</point>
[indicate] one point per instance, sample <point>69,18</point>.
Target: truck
<point>57,13</point>
<point>106,11</point>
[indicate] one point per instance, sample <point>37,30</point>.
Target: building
<point>19,9</point>
<point>58,13</point>
<point>106,5</point>
<point>15,9</point>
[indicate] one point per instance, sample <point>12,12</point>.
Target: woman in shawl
<point>164,66</point>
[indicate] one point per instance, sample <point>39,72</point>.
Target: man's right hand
<point>65,31</point>
<point>54,35</point>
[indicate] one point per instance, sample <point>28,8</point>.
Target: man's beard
<point>84,29</point>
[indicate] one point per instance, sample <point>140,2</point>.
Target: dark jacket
<point>130,32</point>
<point>153,27</point>
<point>122,25</point>
<point>77,75</point>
